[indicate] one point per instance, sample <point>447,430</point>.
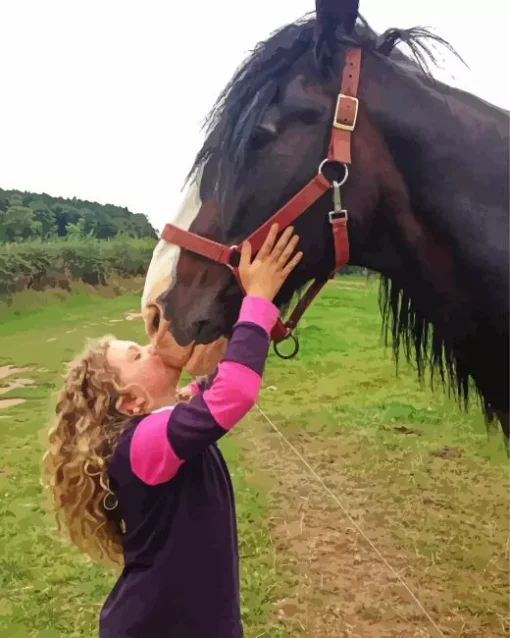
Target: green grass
<point>344,377</point>
<point>341,404</point>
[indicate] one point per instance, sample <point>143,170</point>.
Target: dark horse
<point>427,194</point>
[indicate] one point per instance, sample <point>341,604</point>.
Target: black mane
<point>243,102</point>
<point>240,107</point>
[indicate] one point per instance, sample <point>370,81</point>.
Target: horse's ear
<point>332,14</point>
<point>334,19</point>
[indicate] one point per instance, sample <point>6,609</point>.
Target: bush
<point>40,264</point>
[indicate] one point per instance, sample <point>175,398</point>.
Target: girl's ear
<point>129,405</point>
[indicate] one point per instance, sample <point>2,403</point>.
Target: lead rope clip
<point>337,211</point>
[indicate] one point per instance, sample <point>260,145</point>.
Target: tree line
<point>30,216</point>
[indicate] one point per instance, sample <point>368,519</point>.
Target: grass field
<point>423,481</point>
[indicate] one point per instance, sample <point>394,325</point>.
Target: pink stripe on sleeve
<point>233,393</point>
<point>260,311</point>
<point>151,455</point>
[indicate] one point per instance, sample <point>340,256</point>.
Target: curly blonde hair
<point>82,439</point>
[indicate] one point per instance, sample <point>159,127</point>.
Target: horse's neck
<point>477,105</point>
<point>466,129</point>
<point>446,125</point>
<point>452,151</point>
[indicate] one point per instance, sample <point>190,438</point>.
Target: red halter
<point>344,122</point>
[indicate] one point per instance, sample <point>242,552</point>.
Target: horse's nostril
<point>156,320</point>
<point>200,326</point>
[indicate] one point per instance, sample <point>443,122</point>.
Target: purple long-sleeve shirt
<point>181,576</point>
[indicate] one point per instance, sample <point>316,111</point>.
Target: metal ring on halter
<point>346,169</point>
<point>233,249</point>
<point>294,352</point>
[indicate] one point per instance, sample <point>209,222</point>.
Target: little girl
<point>135,479</point>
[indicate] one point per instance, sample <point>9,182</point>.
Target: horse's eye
<point>261,137</point>
<point>309,116</point>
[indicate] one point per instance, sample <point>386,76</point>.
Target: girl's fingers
<point>282,242</point>
<point>245,259</point>
<point>268,244</point>
<point>292,264</point>
<point>288,251</point>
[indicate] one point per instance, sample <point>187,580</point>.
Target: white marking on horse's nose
<point>161,275</point>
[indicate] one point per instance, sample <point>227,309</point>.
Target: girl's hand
<point>265,275</point>
<point>183,395</point>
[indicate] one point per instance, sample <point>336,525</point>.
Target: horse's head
<point>267,136</point>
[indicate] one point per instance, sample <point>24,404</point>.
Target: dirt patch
<point>6,371</point>
<point>447,453</point>
<point>336,586</point>
<point>14,385</point>
<point>404,429</point>
<point>130,316</point>
<point>10,403</point>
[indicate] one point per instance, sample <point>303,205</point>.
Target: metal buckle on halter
<point>341,125</point>
<point>337,214</point>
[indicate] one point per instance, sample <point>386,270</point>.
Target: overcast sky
<point>104,99</point>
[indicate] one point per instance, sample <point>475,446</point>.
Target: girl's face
<point>144,373</point>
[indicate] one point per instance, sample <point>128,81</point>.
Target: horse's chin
<point>196,360</point>
<point>205,358</point>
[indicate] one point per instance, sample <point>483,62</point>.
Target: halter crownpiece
<point>339,151</point>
